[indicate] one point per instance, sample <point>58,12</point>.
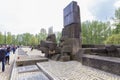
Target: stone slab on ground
<point>32,76</point>
<point>29,60</point>
<point>29,68</point>
<point>21,52</point>
<point>33,52</point>
<point>73,70</point>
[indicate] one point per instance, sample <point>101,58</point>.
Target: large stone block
<point>72,31</point>
<point>65,58</point>
<point>49,44</point>
<point>29,60</point>
<point>108,64</point>
<point>111,48</point>
<point>52,46</point>
<point>44,50</point>
<point>71,14</point>
<point>51,37</point>
<point>56,57</point>
<point>71,46</point>
<point>43,43</point>
<point>112,51</point>
<point>66,49</point>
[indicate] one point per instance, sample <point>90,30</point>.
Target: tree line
<point>93,32</point>
<point>97,32</point>
<point>26,39</point>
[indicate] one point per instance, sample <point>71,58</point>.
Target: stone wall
<point>101,58</point>
<point>108,64</point>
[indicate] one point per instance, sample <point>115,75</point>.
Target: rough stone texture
<point>72,31</point>
<point>51,37</point>
<point>70,40</point>
<point>66,49</point>
<point>92,46</point>
<point>43,43</point>
<point>112,51</point>
<point>70,46</point>
<point>49,47</point>
<point>44,49</point>
<point>48,44</point>
<point>73,70</point>
<point>65,58</point>
<point>109,64</point>
<point>102,51</point>
<point>56,57</point>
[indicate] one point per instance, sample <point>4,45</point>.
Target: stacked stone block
<point>70,41</point>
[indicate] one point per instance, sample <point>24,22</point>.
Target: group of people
<point>5,55</point>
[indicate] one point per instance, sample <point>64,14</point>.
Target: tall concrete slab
<point>71,38</point>
<point>71,14</point>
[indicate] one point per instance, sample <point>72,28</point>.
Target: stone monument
<point>71,40</point>
<point>49,45</point>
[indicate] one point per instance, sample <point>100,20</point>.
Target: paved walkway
<point>71,70</point>
<point>29,71</point>
<point>8,68</point>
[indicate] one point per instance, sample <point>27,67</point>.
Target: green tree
<point>26,39</point>
<point>9,38</point>
<point>33,40</point>
<point>58,36</point>
<point>95,32</point>
<point>117,21</point>
<point>114,39</point>
<point>19,39</point>
<point>1,38</point>
<point>14,40</point>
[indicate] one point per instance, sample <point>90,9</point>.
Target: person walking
<point>14,49</point>
<point>8,55</point>
<point>2,58</point>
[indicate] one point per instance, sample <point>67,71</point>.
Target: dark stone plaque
<point>71,14</point>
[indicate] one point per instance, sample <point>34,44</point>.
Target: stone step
<point>29,60</point>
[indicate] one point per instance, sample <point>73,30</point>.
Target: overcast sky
<point>20,16</point>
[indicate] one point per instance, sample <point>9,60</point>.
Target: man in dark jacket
<point>2,58</point>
